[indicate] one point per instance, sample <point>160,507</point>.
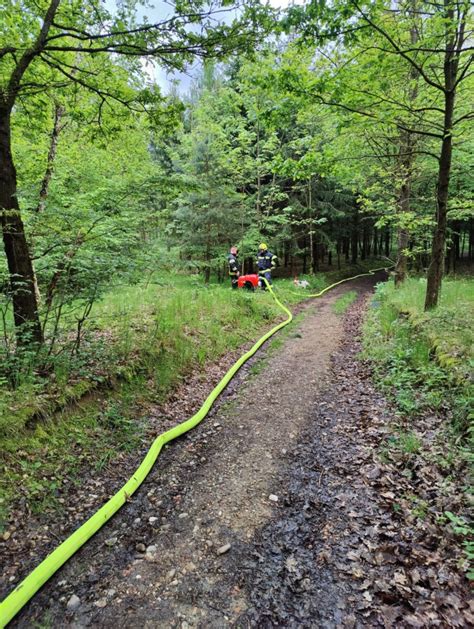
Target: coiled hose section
<point>14,602</point>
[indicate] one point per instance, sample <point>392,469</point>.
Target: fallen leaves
<point>378,550</point>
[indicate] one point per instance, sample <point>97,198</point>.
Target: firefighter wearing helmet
<point>233,261</point>
<point>266,263</point>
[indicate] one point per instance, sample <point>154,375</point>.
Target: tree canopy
<point>331,130</point>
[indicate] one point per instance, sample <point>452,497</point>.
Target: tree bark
<point>286,256</point>
<point>346,247</point>
<point>471,239</point>
<point>436,267</point>
<point>455,37</point>
<point>364,251</point>
<point>387,241</point>
<point>355,237</point>
<point>20,266</point>
<point>312,244</point>
<point>405,165</point>
<point>401,267</point>
<point>58,115</point>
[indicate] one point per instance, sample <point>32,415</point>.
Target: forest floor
<point>276,511</point>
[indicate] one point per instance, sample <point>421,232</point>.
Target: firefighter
<point>233,261</point>
<point>266,263</point>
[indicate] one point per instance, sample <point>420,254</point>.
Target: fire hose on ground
<point>25,591</point>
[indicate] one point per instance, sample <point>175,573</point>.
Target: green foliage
<point>297,144</point>
<point>424,360</point>
<point>464,529</point>
<point>407,442</point>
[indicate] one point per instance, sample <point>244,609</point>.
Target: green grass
<point>424,360</point>
<point>160,331</point>
<point>36,462</point>
<point>449,328</point>
<point>140,342</point>
<point>343,302</point>
<point>156,336</point>
<point>408,443</point>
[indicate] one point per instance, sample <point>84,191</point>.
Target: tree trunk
<point>456,244</point>
<point>471,239</point>
<point>207,269</point>
<point>355,238</point>
<point>387,241</point>
<point>311,253</point>
<point>463,243</point>
<point>305,256</point>
<point>436,267</point>
<point>364,251</point>
<point>58,114</point>
<point>346,247</point>
<point>258,203</point>
<point>312,244</point>
<point>315,249</point>
<point>454,42</point>
<point>405,165</point>
<point>401,267</point>
<point>20,266</point>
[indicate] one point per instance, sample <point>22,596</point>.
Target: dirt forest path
<point>251,519</point>
<point>163,561</point>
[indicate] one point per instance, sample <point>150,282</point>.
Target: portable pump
<point>250,282</point>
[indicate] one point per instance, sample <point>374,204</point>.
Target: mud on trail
<point>267,514</point>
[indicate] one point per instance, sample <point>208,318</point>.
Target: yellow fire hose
<point>12,604</point>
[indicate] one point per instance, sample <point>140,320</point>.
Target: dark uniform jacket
<point>266,261</point>
<point>233,264</point>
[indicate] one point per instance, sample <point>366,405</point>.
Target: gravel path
<point>176,555</point>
